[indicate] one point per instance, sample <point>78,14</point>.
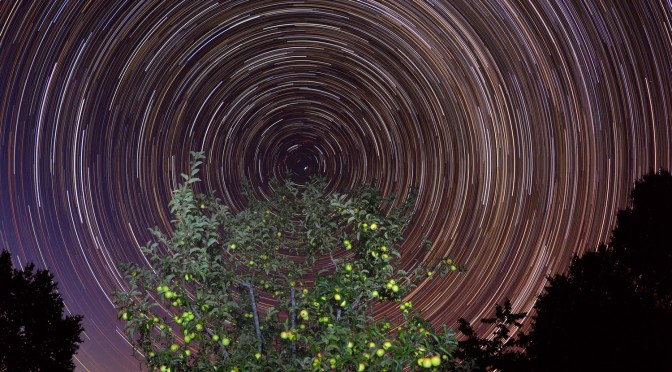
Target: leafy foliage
<point>34,334</point>
<point>240,291</point>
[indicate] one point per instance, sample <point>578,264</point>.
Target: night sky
<point>523,124</point>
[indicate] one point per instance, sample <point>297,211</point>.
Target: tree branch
<point>255,314</point>
<point>355,303</point>
<point>333,261</point>
<point>292,316</point>
<point>194,309</point>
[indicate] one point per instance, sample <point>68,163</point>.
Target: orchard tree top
<point>287,284</point>
<point>34,335</point>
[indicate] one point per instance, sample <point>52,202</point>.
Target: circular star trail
<point>522,124</point>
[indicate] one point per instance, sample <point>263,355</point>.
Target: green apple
<point>436,360</point>
<point>226,341</point>
<point>427,362</point>
<point>380,352</point>
<point>174,347</point>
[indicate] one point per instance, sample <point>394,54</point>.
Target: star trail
<point>523,124</point>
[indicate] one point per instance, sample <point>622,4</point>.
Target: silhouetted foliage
<point>502,352</point>
<point>612,311</point>
<point>641,240</point>
<point>33,334</point>
<point>592,319</point>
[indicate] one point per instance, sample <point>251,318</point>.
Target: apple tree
<point>289,283</point>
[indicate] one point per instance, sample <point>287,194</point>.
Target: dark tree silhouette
<point>34,336</point>
<point>641,241</point>
<point>502,352</point>
<point>593,320</point>
<point>612,311</point>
